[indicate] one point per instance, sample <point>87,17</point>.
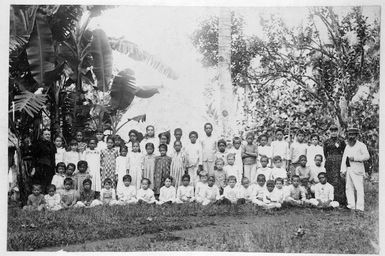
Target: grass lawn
<point>193,227</point>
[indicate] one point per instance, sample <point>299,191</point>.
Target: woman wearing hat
<point>333,150</point>
<point>352,167</point>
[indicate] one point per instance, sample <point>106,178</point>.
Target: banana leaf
<point>29,102</point>
<point>102,59</point>
<point>123,90</point>
<point>133,51</point>
<point>40,50</point>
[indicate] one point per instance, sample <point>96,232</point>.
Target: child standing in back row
<point>193,151</point>
<point>178,163</point>
<point>280,147</point>
<point>297,149</point>
<point>92,157</point>
<point>108,160</point>
<point>249,156</point>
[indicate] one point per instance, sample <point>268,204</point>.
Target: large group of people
<point>203,168</point>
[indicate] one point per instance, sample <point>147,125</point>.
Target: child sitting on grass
<point>231,169</point>
<point>263,169</point>
<point>230,192</point>
<point>58,178</point>
<point>259,190</point>
<point>279,190</point>
<point>246,191</point>
<point>52,199</point>
<point>201,187</point>
<point>107,194</point>
<point>324,193</point>
<point>69,196</point>
<point>185,193</point>
<point>145,194</point>
<point>296,194</point>
<point>167,192</point>
<point>211,194</point>
<point>126,192</point>
<point>87,197</point>
<point>81,175</point>
<point>220,175</point>
<point>278,171</point>
<point>316,169</point>
<point>271,198</point>
<point>35,200</point>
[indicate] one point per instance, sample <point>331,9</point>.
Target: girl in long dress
<point>149,163</point>
<point>162,168</point>
<point>121,167</point>
<point>135,164</point>
<point>92,157</point>
<point>178,164</point>
<point>108,160</point>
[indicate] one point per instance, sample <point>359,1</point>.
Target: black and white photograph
<point>153,127</point>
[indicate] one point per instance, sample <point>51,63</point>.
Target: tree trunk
<point>226,112</point>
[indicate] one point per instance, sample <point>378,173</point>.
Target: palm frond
<point>29,102</point>
<point>133,51</point>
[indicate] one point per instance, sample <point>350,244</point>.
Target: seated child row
<point>270,194</point>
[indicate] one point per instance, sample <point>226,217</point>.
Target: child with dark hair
<point>185,193</point>
<point>81,175</point>
<point>127,193</point>
<point>100,140</point>
<point>60,150</point>
<point>264,150</point>
<point>324,193</point>
<point>193,151</point>
<point>162,168</point>
<point>249,156</point>
<point>271,198</point>
<point>231,169</point>
<point>315,170</point>
<point>167,192</point>
<point>121,166</point>
<point>108,160</point>
<point>314,149</point>
<point>280,147</point>
<point>200,187</point>
<point>296,194</point>
<point>230,192</point>
<point>149,163</point>
<point>303,171</point>
<point>69,195</point>
<point>222,150</point>
<point>107,195</point>
<point>220,175</point>
<point>70,173</point>
<point>145,194</point>
<point>278,171</point>
<point>237,151</point>
<point>135,161</point>
<point>73,155</point>
<point>87,197</point>
<point>58,178</point>
<point>36,200</point>
<point>247,191</point>
<point>92,156</point>
<point>209,148</point>
<point>178,163</point>
<point>211,194</point>
<point>297,149</point>
<point>263,169</point>
<point>260,190</point>
<point>52,199</point>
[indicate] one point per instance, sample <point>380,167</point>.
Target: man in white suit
<point>352,167</point>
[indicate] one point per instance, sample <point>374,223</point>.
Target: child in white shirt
<point>185,193</point>
<point>145,194</point>
<point>193,151</point>
<point>211,194</point>
<point>280,190</point>
<point>167,192</point>
<point>121,167</point>
<point>58,178</point>
<point>52,199</point>
<point>324,193</point>
<point>313,150</point>
<point>264,150</point>
<point>270,197</point>
<point>278,171</point>
<point>247,191</point>
<point>231,169</point>
<point>126,192</point>
<point>259,190</point>
<point>200,187</point>
<point>237,150</point>
<point>230,192</point>
<point>107,193</point>
<point>315,170</point>
<point>280,147</point>
<point>263,169</point>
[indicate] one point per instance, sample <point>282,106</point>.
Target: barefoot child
<point>87,197</point>
<point>167,192</point>
<point>162,168</point>
<point>36,200</point>
<point>324,193</point>
<point>149,163</point>
<point>209,148</point>
<point>127,192</point>
<point>52,199</point>
<point>145,194</point>
<point>58,178</point>
<point>193,152</point>
<point>178,163</point>
<point>185,193</point>
<point>249,156</point>
<point>69,196</point>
